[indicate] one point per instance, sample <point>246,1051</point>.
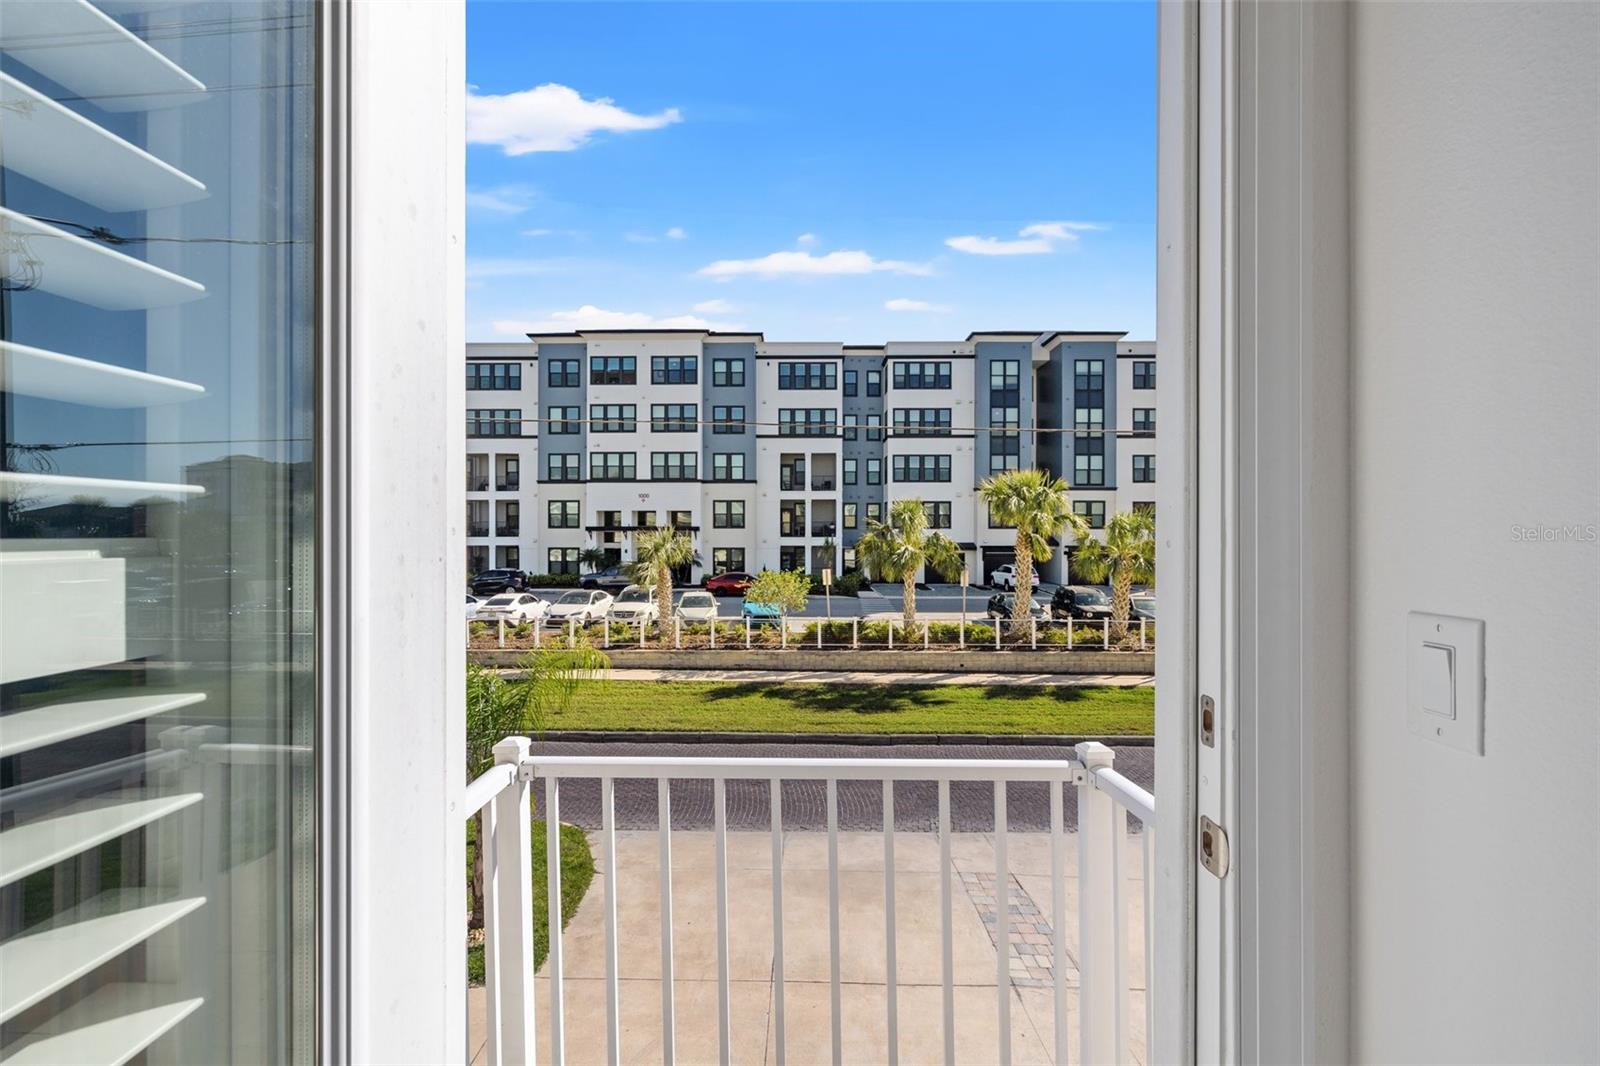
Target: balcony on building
<point>477,473</point>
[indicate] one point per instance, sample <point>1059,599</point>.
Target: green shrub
<point>1088,637</point>
<point>551,581</point>
<point>1054,635</point>
<point>980,633</point>
<point>850,584</point>
<point>874,632</point>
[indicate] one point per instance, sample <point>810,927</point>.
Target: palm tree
<point>658,552</point>
<point>594,558</point>
<point>1127,555</point>
<point>898,549</point>
<point>1036,504</point>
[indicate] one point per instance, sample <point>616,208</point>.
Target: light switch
<point>1444,679</point>
<point>1437,665</point>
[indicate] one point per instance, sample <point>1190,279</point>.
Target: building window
<point>1144,421</point>
<point>849,471</point>
<point>874,471</point>
<point>792,519</point>
<point>508,557</point>
<point>999,462</point>
<point>727,466</point>
<point>808,375</point>
<point>849,427</point>
<point>1144,374</point>
<point>727,514</point>
<point>494,376</point>
<point>611,466</point>
<point>643,520</point>
<point>922,421</point>
<point>921,375</point>
<point>727,560</point>
<point>1005,374</point>
<point>1091,511</point>
<point>1089,419</point>
<point>674,466</point>
<point>562,514</point>
<point>849,516</point>
<point>477,558</point>
<point>674,417</point>
<point>509,523</point>
<point>850,378</point>
<point>791,557</point>
<point>562,467</point>
<point>1089,461</point>
<point>613,418</point>
<point>727,419</point>
<point>808,422</point>
<point>874,511</point>
<point>674,369</point>
<point>494,422</point>
<point>849,559</point>
<point>561,419</point>
<point>874,383</point>
<point>727,373</point>
<point>938,512</point>
<point>1144,468</point>
<point>875,427</point>
<point>561,561</point>
<point>562,374</point>
<point>922,468</point>
<point>680,519</point>
<point>613,370</point>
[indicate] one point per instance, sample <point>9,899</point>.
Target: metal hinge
<point>1213,847</point>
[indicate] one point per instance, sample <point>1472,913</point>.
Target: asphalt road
<point>916,803</point>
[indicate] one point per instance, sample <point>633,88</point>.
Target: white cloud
<point>901,304</point>
<point>551,233</point>
<point>713,307</point>
<point>676,233</point>
<point>804,264</point>
<point>551,118</point>
<point>1037,238</point>
<point>501,199</point>
<point>806,240</point>
<point>478,269</point>
<point>591,317</point>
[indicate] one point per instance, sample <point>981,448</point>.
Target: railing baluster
<point>669,1051</point>
<point>891,970</point>
<point>719,789</point>
<point>513,926</point>
<point>1058,916</point>
<point>777,919</point>
<point>1002,932</point>
<point>1119,930</point>
<point>608,824</point>
<point>947,925</point>
<point>833,921</point>
<point>1097,1000</point>
<point>552,839</point>
<point>1147,831</point>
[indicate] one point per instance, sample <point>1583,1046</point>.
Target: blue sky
<point>856,172</point>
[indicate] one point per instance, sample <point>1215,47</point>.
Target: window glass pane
<point>157,542</point>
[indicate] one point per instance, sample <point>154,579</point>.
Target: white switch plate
<point>1460,724</point>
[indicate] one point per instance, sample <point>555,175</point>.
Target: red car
<point>732,583</point>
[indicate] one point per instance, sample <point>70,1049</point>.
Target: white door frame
<point>1252,324</point>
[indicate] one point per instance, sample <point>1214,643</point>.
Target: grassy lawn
<point>577,870</point>
<point>812,707</point>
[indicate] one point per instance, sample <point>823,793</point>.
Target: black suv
<point>490,582</point>
<point>1079,601</point>
<point>612,579</point>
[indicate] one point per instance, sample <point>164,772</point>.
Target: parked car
<point>1003,576</point>
<point>761,614</point>
<point>473,603</point>
<point>490,582</point>
<point>1080,601</point>
<point>612,579</point>
<point>1142,605</point>
<point>513,608</point>
<point>696,607</point>
<point>731,583</point>
<point>579,605</point>
<point>1001,603</point>
<point>633,605</point>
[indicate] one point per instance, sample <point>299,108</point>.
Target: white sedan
<point>633,605</point>
<point>473,603</point>
<point>697,607</point>
<point>513,608</point>
<point>579,605</point>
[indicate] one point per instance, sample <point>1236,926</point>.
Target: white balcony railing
<point>1105,799</point>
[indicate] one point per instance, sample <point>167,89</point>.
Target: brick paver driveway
<point>916,803</point>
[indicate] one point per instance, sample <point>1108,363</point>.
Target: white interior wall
<point>1475,180</point>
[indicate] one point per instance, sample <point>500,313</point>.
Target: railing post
<point>855,634</point>
<point>714,624</point>
<point>819,635</point>
<point>538,632</point>
<point>783,632</point>
<point>999,625</point>
<point>644,624</point>
<point>962,631</point>
<point>1102,942</point>
<point>500,631</point>
<point>572,633</point>
<point>925,633</point>
<point>677,632</point>
<point>1072,625</point>
<point>1033,633</point>
<point>1141,634</point>
<point>746,632</point>
<point>891,634</point>
<point>1105,634</point>
<point>605,632</point>
<point>506,841</point>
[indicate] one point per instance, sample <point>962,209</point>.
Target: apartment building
<point>778,454</point>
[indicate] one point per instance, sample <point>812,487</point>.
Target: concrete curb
<point>896,661</point>
<point>590,736</point>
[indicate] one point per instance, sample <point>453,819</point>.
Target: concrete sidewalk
<point>872,677</point>
<point>806,953</point>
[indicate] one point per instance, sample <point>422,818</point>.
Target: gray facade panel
<point>727,395</point>
<point>563,443</point>
<point>989,353</point>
